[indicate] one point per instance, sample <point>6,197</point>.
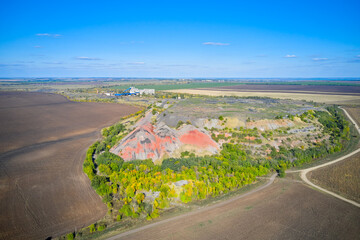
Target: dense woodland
<point>142,189</point>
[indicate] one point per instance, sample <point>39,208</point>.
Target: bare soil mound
<point>148,141</point>
<point>197,138</point>
<point>43,141</point>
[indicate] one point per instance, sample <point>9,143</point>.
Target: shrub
<point>70,236</point>
<point>92,228</point>
<point>179,124</point>
<point>101,227</point>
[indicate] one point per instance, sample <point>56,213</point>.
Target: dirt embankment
<point>43,141</point>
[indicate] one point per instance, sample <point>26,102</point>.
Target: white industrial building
<point>147,91</point>
<point>135,90</point>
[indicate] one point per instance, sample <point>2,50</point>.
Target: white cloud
<point>320,59</point>
<point>216,43</point>
<point>43,34</point>
<point>87,58</point>
<point>290,56</point>
<point>48,35</point>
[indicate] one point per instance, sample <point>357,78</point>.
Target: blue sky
<point>257,39</point>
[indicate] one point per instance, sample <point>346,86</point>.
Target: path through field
<point>306,171</point>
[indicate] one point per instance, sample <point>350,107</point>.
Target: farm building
<point>147,91</point>
<point>134,91</point>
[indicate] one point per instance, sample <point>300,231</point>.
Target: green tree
<point>92,228</point>
<point>70,236</point>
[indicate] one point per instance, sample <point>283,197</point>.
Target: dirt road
<point>43,141</point>
<point>306,171</point>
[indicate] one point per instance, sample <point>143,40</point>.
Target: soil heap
<point>154,142</point>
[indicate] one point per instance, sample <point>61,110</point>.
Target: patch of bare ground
<point>342,178</point>
<point>285,210</point>
<point>43,139</point>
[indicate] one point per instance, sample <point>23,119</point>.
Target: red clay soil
<point>198,139</point>
<point>43,142</point>
<point>154,145</point>
<point>147,141</point>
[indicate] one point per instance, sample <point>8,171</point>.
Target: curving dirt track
<point>43,141</point>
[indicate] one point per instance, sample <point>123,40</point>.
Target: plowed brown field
<point>43,141</point>
<point>343,177</point>
<point>285,210</point>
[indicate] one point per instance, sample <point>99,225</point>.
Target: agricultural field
<point>342,178</point>
<point>295,88</point>
<point>43,138</point>
<point>316,97</point>
<point>354,113</point>
<point>285,210</point>
<point>253,85</point>
<point>181,85</point>
<point>117,84</point>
